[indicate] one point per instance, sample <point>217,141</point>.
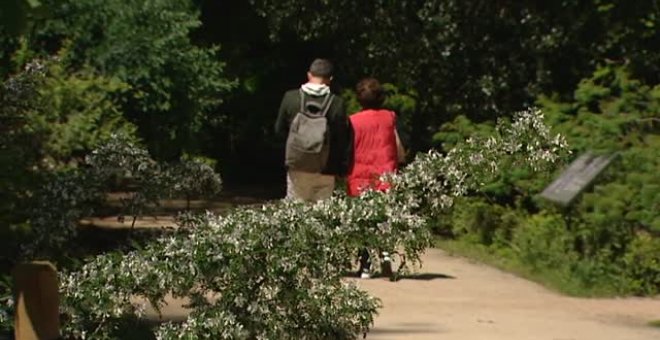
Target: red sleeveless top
<point>375,151</point>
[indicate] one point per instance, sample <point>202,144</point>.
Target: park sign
<point>576,178</point>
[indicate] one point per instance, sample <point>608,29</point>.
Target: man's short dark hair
<point>321,68</point>
<point>370,94</point>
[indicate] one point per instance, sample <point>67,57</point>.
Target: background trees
<point>477,58</point>
<point>173,84</point>
<point>74,72</point>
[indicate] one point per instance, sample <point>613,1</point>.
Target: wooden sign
<point>37,302</point>
<point>579,175</point>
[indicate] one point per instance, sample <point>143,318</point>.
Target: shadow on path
<point>426,276</point>
<point>417,276</point>
<point>406,328</point>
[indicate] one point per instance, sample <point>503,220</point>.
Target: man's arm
<point>282,122</point>
<point>345,138</point>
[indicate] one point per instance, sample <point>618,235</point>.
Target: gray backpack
<point>308,144</point>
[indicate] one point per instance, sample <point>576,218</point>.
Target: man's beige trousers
<point>309,187</point>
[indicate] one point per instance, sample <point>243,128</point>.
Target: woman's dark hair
<point>370,93</point>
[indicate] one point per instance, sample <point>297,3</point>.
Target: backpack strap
<point>326,103</point>
<point>302,100</point>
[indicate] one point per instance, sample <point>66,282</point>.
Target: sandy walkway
<point>480,302</point>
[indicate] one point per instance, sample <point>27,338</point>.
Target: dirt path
<point>454,298</point>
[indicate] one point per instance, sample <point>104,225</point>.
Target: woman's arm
<point>400,151</point>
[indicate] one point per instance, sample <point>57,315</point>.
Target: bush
<point>614,113</point>
<point>194,177</point>
<point>68,195</point>
<point>611,113</point>
<point>50,115</point>
<point>80,192</point>
<point>6,304</point>
<point>273,272</point>
<point>642,265</point>
<point>477,220</point>
<point>543,241</point>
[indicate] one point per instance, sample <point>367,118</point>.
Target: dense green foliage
<point>74,73</point>
<point>50,117</point>
<point>175,85</point>
<point>608,241</point>
<point>15,15</point>
<point>89,69</point>
<point>479,58</point>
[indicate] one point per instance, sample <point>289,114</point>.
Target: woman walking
<point>377,151</point>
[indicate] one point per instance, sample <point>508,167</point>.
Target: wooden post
<point>37,302</point>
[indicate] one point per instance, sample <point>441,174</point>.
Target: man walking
<point>318,146</point>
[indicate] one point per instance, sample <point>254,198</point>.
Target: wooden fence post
<point>37,301</point>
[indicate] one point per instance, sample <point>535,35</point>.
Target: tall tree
<point>175,85</point>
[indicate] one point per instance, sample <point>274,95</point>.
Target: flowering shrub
<point>275,272</point>
<point>194,177</point>
<point>6,307</point>
<point>121,158</point>
<point>70,195</point>
<point>433,180</point>
<point>56,210</point>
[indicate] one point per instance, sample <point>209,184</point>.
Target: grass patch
<point>556,279</point>
<point>654,323</point>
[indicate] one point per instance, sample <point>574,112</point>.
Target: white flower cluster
<point>5,306</point>
<point>276,272</point>
<point>434,180</point>
<point>23,84</point>
<point>528,135</point>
